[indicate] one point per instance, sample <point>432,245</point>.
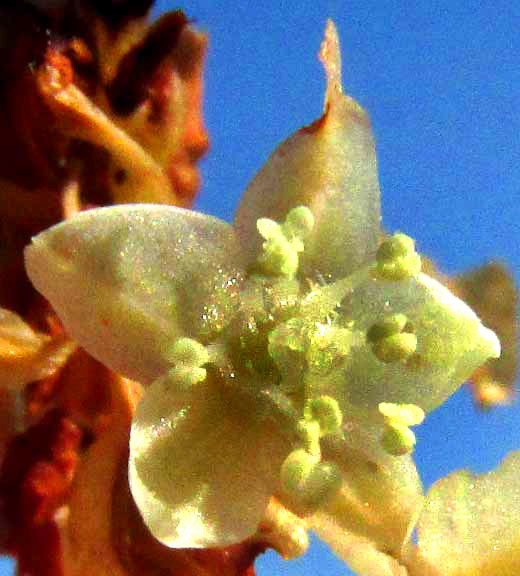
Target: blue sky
<point>441,81</point>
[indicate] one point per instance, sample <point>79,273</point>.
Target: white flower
<point>252,339</point>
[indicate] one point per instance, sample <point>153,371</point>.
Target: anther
<point>392,339</point>
<point>397,258</point>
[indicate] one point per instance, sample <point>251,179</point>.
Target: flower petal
<point>330,167</point>
<point>451,344</point>
<point>470,523</point>
<point>128,280</point>
<point>378,503</point>
<point>202,466</point>
<point>490,290</point>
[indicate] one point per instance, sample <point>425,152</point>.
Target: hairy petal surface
<point>330,167</point>
<point>203,463</point>
<point>128,280</point>
<point>470,523</point>
<point>451,344</point>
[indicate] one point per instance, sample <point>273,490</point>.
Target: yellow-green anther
<point>299,222</point>
<point>187,356</point>
<point>396,348</point>
<point>325,410</point>
<point>188,352</point>
<point>397,259</point>
<point>279,258</point>
<point>398,439</point>
<point>186,375</point>
<point>396,246</point>
<point>392,339</point>
<point>394,324</point>
<point>284,242</point>
<point>269,228</point>
<point>296,468</point>
<point>307,481</point>
<point>407,414</point>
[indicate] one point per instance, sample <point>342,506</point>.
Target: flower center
<point>290,342</point>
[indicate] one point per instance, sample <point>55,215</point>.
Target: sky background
<point>441,81</point>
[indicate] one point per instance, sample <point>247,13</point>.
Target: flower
<point>267,347</point>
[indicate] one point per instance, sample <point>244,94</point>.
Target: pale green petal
<point>203,463</point>
<point>380,498</point>
<point>470,524</point>
<point>451,344</point>
<point>330,167</point>
<point>128,280</point>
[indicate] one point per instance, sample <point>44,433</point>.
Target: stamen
<point>326,412</point>
<point>307,481</point>
<point>284,242</point>
<point>397,258</point>
<point>397,438</point>
<point>187,356</point>
<point>392,339</point>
